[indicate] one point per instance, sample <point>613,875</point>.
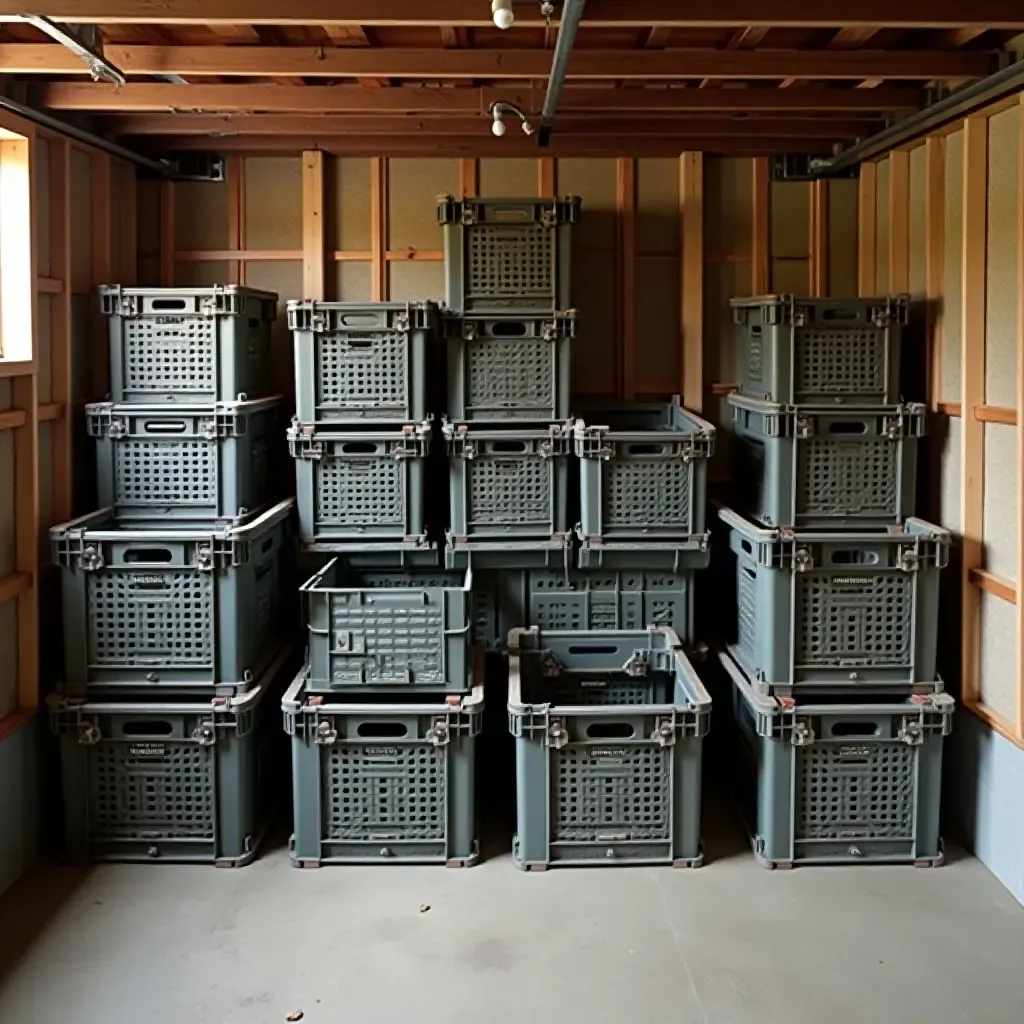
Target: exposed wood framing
<point>995,585</point>
<point>972,433</point>
<point>818,262</point>
<point>469,177</point>
<point>128,226</point>
<point>1020,418</point>
<point>691,203</point>
<point>101,267</point>
<point>949,409</point>
<point>866,230</point>
<point>24,392</point>
<point>995,414</point>
<point>760,246</point>
<point>379,227</point>
<point>14,585</point>
<point>60,325</point>
<point>313,237</point>
<point>236,215</point>
<point>626,210</point>
<point>546,176</point>
<point>167,231</point>
<point>934,262</point>
<point>899,222</point>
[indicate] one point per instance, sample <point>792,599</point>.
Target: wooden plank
<point>626,221</point>
<point>995,414</point>
<point>994,720</point>
<point>949,409</point>
<point>386,62</point>
<point>24,393</point>
<point>934,262</point>
<point>405,255</point>
<point>1020,420</point>
<point>15,721</point>
<point>972,433</point>
<point>167,230</point>
<point>241,255</point>
<point>992,584</point>
<point>546,176</point>
<point>818,263</point>
<point>313,239</point>
<point>899,222</point>
<point>16,367</point>
<point>101,268</point>
<point>14,585</point>
<point>49,286</point>
<point>760,247</point>
<point>379,228</point>
<point>469,177</point>
<point>866,230</point>
<point>51,412</point>
<point>236,215</point>
<point>60,328</point>
<point>691,210</point>
<point>852,38</point>
<point>11,419</point>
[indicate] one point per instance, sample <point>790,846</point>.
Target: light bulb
<point>503,14</point>
<point>498,126</point>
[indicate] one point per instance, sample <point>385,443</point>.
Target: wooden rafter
<point>747,38</point>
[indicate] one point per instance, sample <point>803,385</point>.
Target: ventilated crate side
<point>189,610</point>
<point>508,367</point>
<point>189,462</point>
<point>359,362</point>
<point>836,610</point>
<point>506,254</point>
<point>383,783</point>
<point>176,782</point>
<point>657,555</point>
<point>356,487</point>
<point>818,468</point>
<point>609,728</point>
<point>188,345</point>
<point>841,783</point>
<point>388,631</point>
<point>820,351</point>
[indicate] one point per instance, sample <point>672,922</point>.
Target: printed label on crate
<point>594,684</point>
<point>150,582</point>
<point>849,581</point>
<point>147,750</point>
<point>169,320</point>
<point>616,754</point>
<point>854,751</point>
<point>380,753</point>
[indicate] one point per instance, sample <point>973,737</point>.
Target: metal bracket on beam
<point>802,167</point>
<point>192,166</point>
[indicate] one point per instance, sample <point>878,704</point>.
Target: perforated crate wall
<point>191,610</point>
<point>816,468</point>
<point>385,783</point>
<point>503,254</point>
<point>830,610</point>
<point>188,345</point>
<point>361,361</point>
<point>196,463</point>
<point>820,351</point>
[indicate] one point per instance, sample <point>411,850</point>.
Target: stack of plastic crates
<point>839,714</point>
<point>175,651</point>
<point>383,717</point>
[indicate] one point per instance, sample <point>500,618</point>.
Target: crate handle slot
<point>359,320</point>
<point>508,446</point>
<point>610,731</point>
<point>168,304</point>
<point>747,546</point>
<point>144,727</point>
<point>268,544</point>
<point>840,314</point>
<point>750,572</point>
<point>359,448</point>
<point>593,649</point>
<point>854,558</point>
<point>148,555</point>
<point>254,322</point>
<point>360,343</point>
<point>166,427</point>
<point>854,729</point>
<point>756,329</point>
<point>848,427</point>
<point>646,449</point>
<point>509,329</point>
<point>381,730</point>
<point>512,215</point>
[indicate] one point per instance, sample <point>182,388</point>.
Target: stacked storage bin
<point>383,717</point>
<point>173,641</point>
<point>840,714</point>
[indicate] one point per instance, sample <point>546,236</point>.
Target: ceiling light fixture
<point>498,109</point>
<point>501,11</point>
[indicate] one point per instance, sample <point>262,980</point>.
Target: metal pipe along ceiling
<point>572,12</point>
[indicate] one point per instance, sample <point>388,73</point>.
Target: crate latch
<point>664,732</point>
<point>91,559</point>
<point>549,216</point>
<point>469,331</point>
<point>439,733</point>
<point>89,733</point>
<point>911,732</point>
<point>893,427</point>
<point>346,642</point>
<point>550,666</point>
<point>803,560</point>
<point>325,733</point>
<point>558,734</point>
<point>204,558</point>
<point>804,427</point>
<point>909,559</point>
<point>469,217</point>
<point>636,665</point>
<point>117,428</point>
<point>208,429</point>
<point>205,734</point>
<point>803,734</point>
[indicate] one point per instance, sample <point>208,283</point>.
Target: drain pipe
<point>572,12</point>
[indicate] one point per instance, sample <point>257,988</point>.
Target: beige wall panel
<point>5,394</point>
<point>842,238</point>
<point>352,282</point>
<point>117,191</point>
<point>508,179</point>
<point>594,350</point>
<point>149,271</point>
<point>81,216</point>
<point>45,461</point>
<point>657,205</point>
<point>44,348</point>
<point>658,339</point>
<point>916,221</point>
<point>7,524</point>
<point>42,201</point>
<point>950,461</point>
<point>953,270</point>
<point>791,277</point>
<point>722,282</point>
<point>1001,499</point>
<point>728,209</point>
<point>882,228</point>
<point>1002,315</point>
<point>200,275</point>
<point>81,339</point>
<point>8,658</point>
<point>285,278</point>
<point>273,202</point>
<point>719,412</point>
<point>348,204</point>
<point>594,181</point>
<point>998,676</point>
<point>148,218</point>
<point>790,222</point>
<point>200,215</point>
<point>415,281</point>
<point>413,190</point>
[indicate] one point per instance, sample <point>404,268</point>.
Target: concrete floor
<point>728,944</point>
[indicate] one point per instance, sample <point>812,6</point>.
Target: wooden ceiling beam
<point>1001,14</point>
<point>379,62</point>
<point>353,35</point>
<point>850,38</point>
<point>747,38</point>
<point>139,96</point>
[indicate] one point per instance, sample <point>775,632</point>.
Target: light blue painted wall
<point>985,783</point>
<point>19,803</point>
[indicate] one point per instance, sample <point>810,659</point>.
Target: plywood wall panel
<point>41,155</point>
<point>148,218</point>
<point>45,463</point>
<point>842,239</point>
<point>1001,499</point>
<point>44,374</point>
<point>594,369</point>
<point>791,277</point>
<point>8,658</point>
<point>916,221</point>
<point>200,215</point>
<point>413,190</point>
<point>728,205</point>
<point>657,205</point>
<point>508,179</point>
<point>722,282</point>
<point>348,204</point>
<point>790,223</point>
<point>285,278</point>
<point>953,276</point>
<point>594,182</point>
<point>1002,312</point>
<point>273,202</point>
<point>200,274</point>
<point>658,336</point>
<point>352,282</point>
<point>81,220</point>
<point>998,677</point>
<point>946,436</point>
<point>416,281</point>
<point>882,228</point>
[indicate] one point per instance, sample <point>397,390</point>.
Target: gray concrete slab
<point>727,944</point>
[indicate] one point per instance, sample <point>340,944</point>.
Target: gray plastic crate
<point>850,610</point>
<point>172,781</point>
<point>820,351</point>
<point>509,484</point>
<point>824,468</point>
<point>189,610</point>
<point>189,345</point>
<point>509,367</point>
<point>665,555</point>
<point>387,632</point>
<point>383,783</point>
<point>189,462</point>
<point>643,471</point>
<point>551,553</point>
<point>609,731</point>
<point>502,254</point>
<point>361,486</point>
<point>361,361</point>
<point>826,782</point>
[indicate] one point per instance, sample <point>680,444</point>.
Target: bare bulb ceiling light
<point>498,109</point>
<point>501,11</point>
<point>497,125</point>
